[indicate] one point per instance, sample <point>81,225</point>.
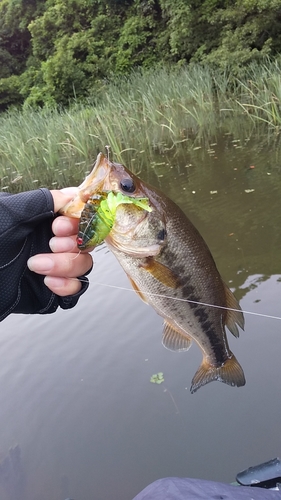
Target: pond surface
<point>77,409</point>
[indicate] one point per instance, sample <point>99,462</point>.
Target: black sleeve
<point>25,230</point>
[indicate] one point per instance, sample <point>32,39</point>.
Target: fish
<point>171,268</point>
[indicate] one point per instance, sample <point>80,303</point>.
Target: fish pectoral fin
<point>230,373</point>
<point>174,340</point>
<point>137,290</point>
<point>161,272</point>
<point>233,318</point>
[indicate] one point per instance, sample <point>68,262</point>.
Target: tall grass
<point>138,116</point>
<point>260,94</point>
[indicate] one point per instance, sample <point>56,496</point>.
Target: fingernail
<point>62,244</point>
<point>63,224</point>
<point>54,282</point>
<point>40,264</point>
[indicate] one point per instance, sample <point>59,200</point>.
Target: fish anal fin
<point>137,290</point>
<point>230,373</point>
<point>161,272</point>
<point>173,340</point>
<point>233,318</point>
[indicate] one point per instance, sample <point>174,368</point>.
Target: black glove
<point>25,230</point>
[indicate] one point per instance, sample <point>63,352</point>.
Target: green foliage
<point>137,43</point>
<point>10,94</point>
<point>66,50</point>
<point>73,42</point>
<point>15,47</point>
<point>247,31</point>
<point>178,18</point>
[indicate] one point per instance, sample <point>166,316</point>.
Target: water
<point>76,402</point>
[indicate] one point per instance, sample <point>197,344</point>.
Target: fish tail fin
<point>230,373</point>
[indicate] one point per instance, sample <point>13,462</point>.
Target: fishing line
<point>77,255</point>
<point>269,316</point>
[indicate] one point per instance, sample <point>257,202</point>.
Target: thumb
<point>63,196</point>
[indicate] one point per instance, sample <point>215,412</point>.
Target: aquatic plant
<point>147,114</point>
<point>157,378</point>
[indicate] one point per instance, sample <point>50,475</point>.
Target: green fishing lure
<point>98,216</point>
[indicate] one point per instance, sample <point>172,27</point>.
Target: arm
<point>25,230</point>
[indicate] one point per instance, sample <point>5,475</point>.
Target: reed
<point>260,96</point>
<point>138,116</point>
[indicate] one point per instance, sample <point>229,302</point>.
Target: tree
<point>15,47</point>
<point>246,30</point>
<point>73,43</point>
<point>54,50</point>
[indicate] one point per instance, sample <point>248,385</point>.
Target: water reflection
<point>75,391</point>
<point>12,475</point>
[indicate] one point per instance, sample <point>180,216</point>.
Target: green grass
<point>138,117</point>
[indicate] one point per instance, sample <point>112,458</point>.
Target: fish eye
<point>127,185</point>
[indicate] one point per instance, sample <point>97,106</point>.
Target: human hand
<point>65,263</point>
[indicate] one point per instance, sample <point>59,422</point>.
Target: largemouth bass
<point>171,268</point>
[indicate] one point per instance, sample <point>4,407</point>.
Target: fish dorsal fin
<point>137,290</point>
<point>161,273</point>
<point>174,340</point>
<point>230,373</point>
<point>233,318</point>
